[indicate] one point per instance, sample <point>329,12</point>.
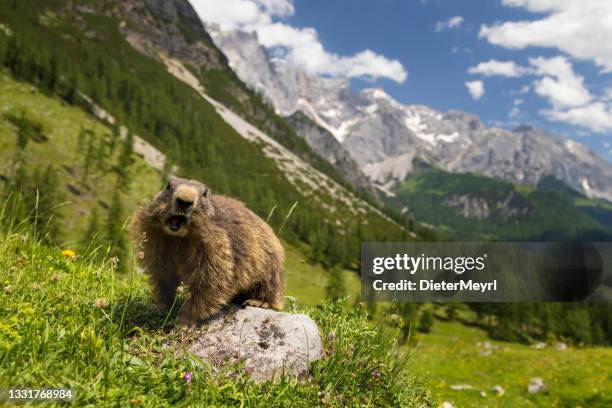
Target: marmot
<point>214,244</point>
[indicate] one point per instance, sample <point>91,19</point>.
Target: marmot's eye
<point>168,186</point>
<point>205,192</point>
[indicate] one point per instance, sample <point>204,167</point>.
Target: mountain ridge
<point>383,136</point>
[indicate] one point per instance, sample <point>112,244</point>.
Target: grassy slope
<point>62,124</point>
<point>57,333</point>
<point>306,282</point>
<point>553,212</point>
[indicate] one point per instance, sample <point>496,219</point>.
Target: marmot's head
<point>180,205</point>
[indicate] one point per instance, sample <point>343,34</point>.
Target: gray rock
<point>269,343</point>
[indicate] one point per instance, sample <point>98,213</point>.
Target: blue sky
<point>544,62</point>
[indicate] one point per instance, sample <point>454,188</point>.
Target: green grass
<point>450,355</point>
<point>57,332</point>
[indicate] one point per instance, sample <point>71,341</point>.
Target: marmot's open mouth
<point>176,222</point>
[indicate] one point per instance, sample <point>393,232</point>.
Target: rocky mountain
<point>281,86</point>
<point>384,136</point>
<point>326,146</point>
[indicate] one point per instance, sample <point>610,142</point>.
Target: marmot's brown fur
<point>212,243</point>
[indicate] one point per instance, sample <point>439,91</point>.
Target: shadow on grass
<point>136,315</point>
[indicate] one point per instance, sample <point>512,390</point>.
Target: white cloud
<point>555,80</point>
<point>580,28</point>
<point>281,8</point>
<point>596,116</point>
<point>476,89</point>
<point>571,101</point>
<point>559,83</point>
<point>503,68</point>
<point>306,51</point>
<point>450,23</point>
<point>233,14</point>
<point>301,46</point>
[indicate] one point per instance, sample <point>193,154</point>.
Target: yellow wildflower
<point>69,253</point>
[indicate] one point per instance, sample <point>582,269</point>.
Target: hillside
<point>62,126</point>
<point>474,207</point>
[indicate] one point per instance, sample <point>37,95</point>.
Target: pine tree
<point>72,89</point>
<point>124,161</point>
<point>578,324</point>
<point>53,74</point>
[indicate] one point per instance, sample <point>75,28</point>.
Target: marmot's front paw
<point>256,303</point>
<point>185,321</point>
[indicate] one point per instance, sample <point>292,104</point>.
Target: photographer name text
<point>425,285</point>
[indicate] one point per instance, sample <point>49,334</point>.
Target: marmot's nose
<point>185,197</point>
<point>183,205</point>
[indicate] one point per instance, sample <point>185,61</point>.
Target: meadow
<point>453,354</point>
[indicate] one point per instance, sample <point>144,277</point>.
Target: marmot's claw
<point>256,303</point>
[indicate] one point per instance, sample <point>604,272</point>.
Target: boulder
<point>268,343</point>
